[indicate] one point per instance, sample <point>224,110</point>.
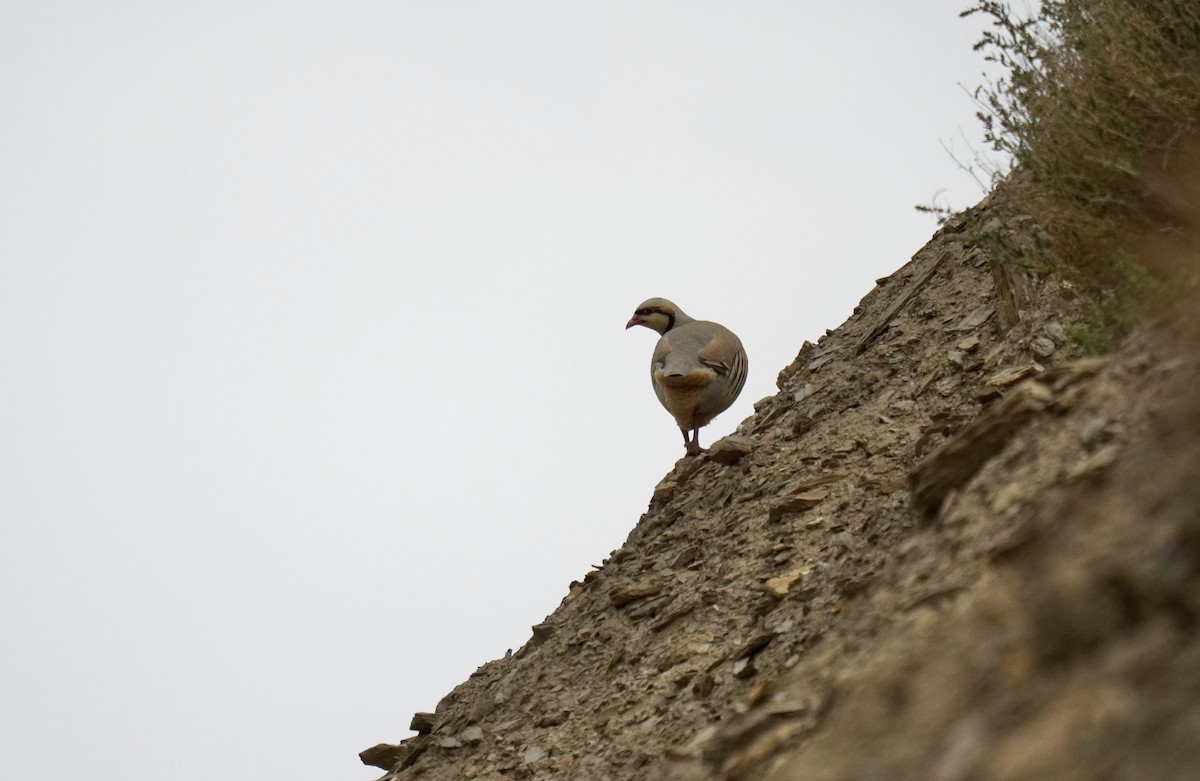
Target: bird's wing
<point>723,353</point>
<point>661,351</point>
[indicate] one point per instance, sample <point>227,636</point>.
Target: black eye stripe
<point>646,311</point>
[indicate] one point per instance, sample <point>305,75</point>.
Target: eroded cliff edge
<point>950,547</point>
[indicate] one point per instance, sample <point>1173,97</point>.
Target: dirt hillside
<point>950,547</point>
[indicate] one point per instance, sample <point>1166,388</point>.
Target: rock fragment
<point>1042,347</point>
<point>384,756</point>
<point>1013,375</point>
<point>1095,464</point>
<point>955,462</point>
<point>727,451</point>
<point>423,723</point>
<point>779,587</point>
<point>976,318</point>
<point>796,503</point>
<point>625,593</point>
<point>1094,430</point>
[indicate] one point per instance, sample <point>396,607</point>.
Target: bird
<point>698,367</point>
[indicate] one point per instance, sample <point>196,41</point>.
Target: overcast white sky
<point>316,391</point>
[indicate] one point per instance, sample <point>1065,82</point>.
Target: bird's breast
<point>676,380</point>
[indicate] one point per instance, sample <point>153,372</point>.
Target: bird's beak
<point>635,320</point>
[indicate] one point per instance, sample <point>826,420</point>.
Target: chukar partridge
<point>698,367</point>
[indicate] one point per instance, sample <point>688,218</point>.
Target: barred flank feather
<point>737,375</point>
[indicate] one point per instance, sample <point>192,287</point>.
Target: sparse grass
<point>1091,336</point>
<point>1097,107</point>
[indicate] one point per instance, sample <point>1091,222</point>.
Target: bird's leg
<point>693,444</point>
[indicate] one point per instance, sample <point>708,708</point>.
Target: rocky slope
<point>949,548</point>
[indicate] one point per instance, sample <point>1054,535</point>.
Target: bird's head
<point>657,314</point>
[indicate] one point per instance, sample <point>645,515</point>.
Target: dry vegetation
<point>1098,109</point>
